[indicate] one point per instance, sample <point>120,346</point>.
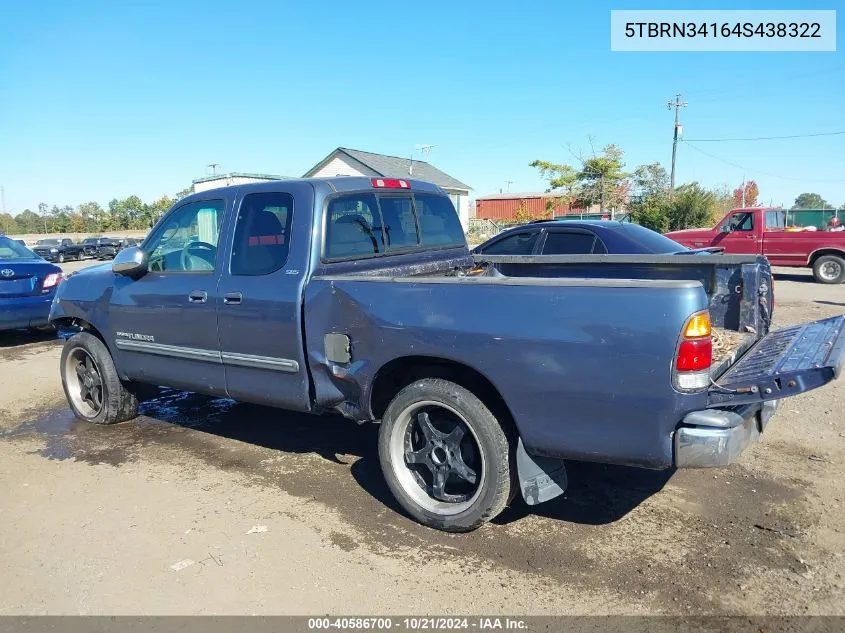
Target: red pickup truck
<point>761,231</point>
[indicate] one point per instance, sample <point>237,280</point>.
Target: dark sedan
<point>27,286</point>
<point>582,237</point>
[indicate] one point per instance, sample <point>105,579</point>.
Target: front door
<point>259,305</point>
<point>740,236</point>
<point>165,323</point>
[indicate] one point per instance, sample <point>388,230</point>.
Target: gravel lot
<point>205,506</point>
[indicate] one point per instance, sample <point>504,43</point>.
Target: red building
<point>502,207</point>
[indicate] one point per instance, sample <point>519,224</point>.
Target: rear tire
<point>445,456</point>
<point>829,269</point>
<point>93,389</point>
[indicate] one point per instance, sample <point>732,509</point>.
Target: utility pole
<point>509,183</point>
<point>743,192</point>
<point>677,104</point>
<point>214,167</point>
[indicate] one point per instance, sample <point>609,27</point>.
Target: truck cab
<point>764,231</point>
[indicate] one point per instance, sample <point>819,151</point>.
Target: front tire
<point>445,456</point>
<point>829,269</point>
<point>60,258</point>
<point>93,389</point>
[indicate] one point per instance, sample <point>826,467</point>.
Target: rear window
<point>439,224</point>
<point>651,241</point>
<point>11,249</point>
<point>366,225</point>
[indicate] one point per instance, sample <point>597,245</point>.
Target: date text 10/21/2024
<point>416,623</point>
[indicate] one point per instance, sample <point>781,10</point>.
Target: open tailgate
<point>784,363</point>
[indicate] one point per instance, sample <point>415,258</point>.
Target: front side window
<point>188,240</point>
<point>262,234</point>
<point>516,244</point>
<point>742,222</point>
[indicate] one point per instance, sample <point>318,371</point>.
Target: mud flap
<point>784,363</point>
<point>540,478</point>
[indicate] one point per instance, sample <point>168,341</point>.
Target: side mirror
<point>725,228</point>
<point>130,262</point>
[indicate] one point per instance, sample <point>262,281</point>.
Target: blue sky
<point>107,99</point>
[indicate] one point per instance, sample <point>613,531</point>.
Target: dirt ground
<point>206,506</point>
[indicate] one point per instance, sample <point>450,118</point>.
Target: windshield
<point>651,241</point>
<point>12,249</point>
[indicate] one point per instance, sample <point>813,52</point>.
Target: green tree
<point>811,201</point>
<point>29,222</point>
<point>692,206</point>
<point>8,224</point>
<point>602,180</point>
<point>93,217</point>
<point>650,181</point>
<point>649,202</point>
<point>44,212</point>
<point>157,209</point>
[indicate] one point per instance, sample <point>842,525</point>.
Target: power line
<point>762,138</point>
<point>757,171</point>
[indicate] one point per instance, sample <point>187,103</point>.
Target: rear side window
<point>775,219</point>
<point>262,234</point>
<point>517,244</point>
<point>439,224</point>
<point>568,243</point>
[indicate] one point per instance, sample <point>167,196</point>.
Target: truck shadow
<point>16,338</point>
<point>597,493</point>
<point>805,278</point>
<point>830,303</point>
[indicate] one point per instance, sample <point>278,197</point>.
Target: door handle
<point>232,298</point>
<point>198,296</point>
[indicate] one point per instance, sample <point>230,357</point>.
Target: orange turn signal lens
<point>698,326</point>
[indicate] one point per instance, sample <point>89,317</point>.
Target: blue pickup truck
<point>359,296</point>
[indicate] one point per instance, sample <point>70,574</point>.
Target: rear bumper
<point>25,312</point>
<point>716,437</point>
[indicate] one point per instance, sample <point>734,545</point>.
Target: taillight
<point>695,354</point>
<point>390,183</point>
<point>51,280</point>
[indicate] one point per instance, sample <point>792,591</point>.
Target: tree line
<point>130,213</point>
<point>644,192</point>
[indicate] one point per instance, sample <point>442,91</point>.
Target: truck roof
<point>329,185</point>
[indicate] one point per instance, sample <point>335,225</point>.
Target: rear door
<point>259,308</point>
<point>784,363</point>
